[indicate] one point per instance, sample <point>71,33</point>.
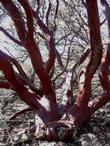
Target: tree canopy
<point>66,48</point>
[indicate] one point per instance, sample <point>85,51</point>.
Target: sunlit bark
<point>43,101</point>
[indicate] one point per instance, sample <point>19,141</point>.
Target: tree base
<point>63,130</point>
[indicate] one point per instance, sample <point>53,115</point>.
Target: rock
<point>61,132</point>
<point>2,144</point>
<point>23,137</point>
<point>89,140</point>
<point>107,121</point>
<point>108,135</point>
<point>96,129</point>
<point>47,143</point>
<point>39,132</point>
<point>64,131</point>
<point>86,140</point>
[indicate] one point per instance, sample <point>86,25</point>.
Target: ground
<point>95,133</point>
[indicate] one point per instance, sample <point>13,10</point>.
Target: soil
<point>15,133</point>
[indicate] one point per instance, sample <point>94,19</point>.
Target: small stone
<point>89,140</point>
<point>2,144</point>
<point>108,135</point>
<point>22,137</point>
<point>96,129</point>
<point>61,132</point>
<point>85,143</point>
<point>107,122</point>
<point>39,132</point>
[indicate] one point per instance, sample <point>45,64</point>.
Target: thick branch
<point>95,104</point>
<point>22,75</point>
<point>5,85</point>
<point>30,98</point>
<point>7,68</point>
<point>30,44</point>
<point>104,69</point>
<point>84,89</point>
<point>16,17</point>
<point>15,62</point>
<point>29,15</point>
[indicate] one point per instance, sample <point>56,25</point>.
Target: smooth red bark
<point>79,113</point>
<point>94,57</point>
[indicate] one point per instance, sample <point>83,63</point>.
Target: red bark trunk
<point>75,115</point>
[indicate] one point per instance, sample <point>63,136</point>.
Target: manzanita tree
<point>58,123</point>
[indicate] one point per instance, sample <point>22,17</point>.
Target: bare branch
<point>107,13</point>
<point>56,12</point>
<point>48,12</point>
<point>10,36</point>
<point>29,15</point>
<point>20,112</point>
<point>16,17</point>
